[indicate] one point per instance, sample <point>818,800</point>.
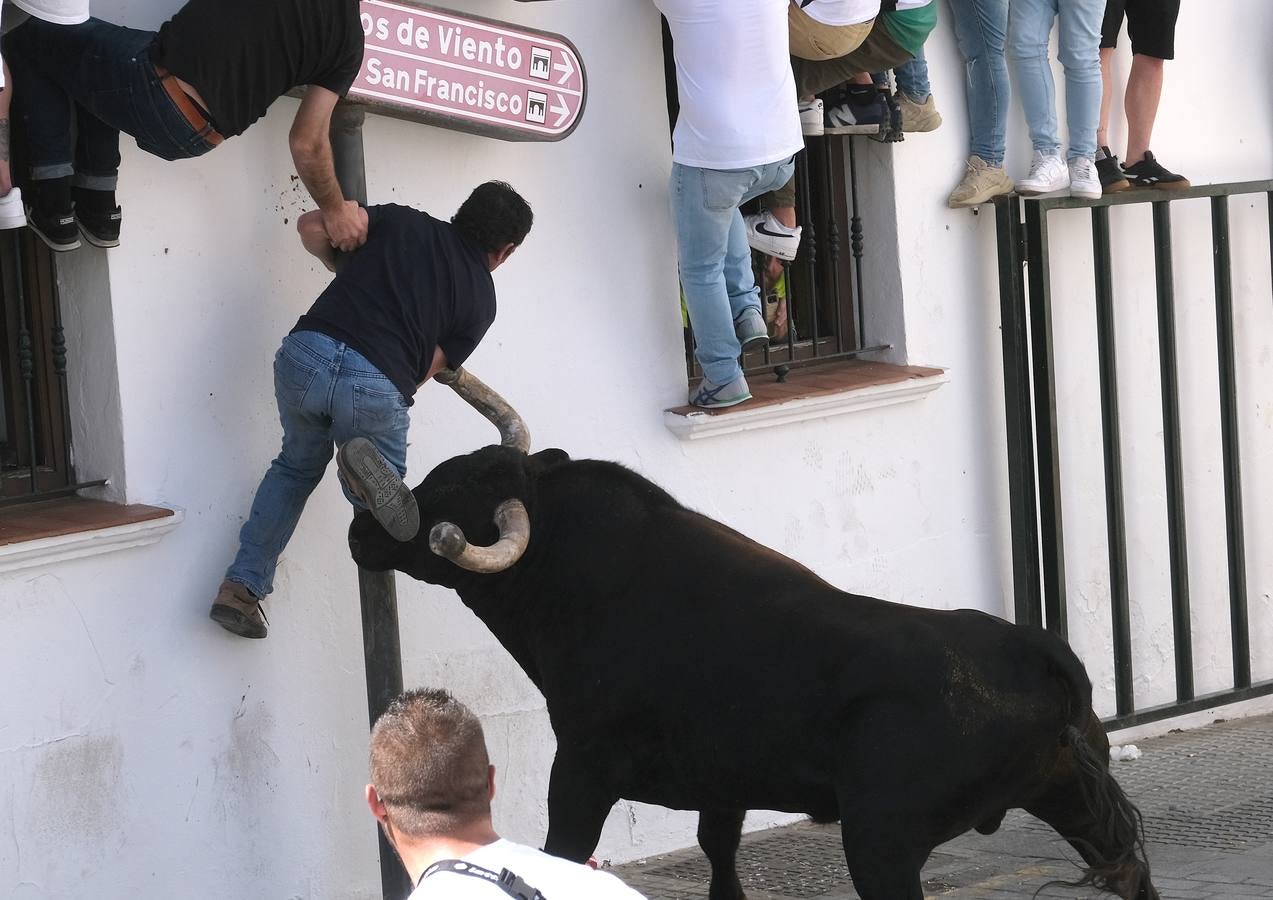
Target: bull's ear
<point>548,459</point>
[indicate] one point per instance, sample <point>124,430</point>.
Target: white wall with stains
<point>145,753</point>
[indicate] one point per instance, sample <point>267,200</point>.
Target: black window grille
<point>35,444</point>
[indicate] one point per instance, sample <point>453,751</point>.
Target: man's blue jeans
<point>980,28</point>
<point>327,393</point>
<point>715,259</point>
<point>94,80</point>
<point>911,77</point>
<point>1029,27</point>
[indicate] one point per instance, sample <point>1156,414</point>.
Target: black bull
<point>687,666</point>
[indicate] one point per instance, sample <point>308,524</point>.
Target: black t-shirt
<point>242,55</point>
<point>416,284</point>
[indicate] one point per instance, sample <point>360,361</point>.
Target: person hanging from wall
<point>897,35</point>
<point>1151,25</point>
<point>417,298</point>
<point>210,71</point>
<point>12,14</point>
<point>736,138</point>
<point>431,790</point>
<point>912,104</point>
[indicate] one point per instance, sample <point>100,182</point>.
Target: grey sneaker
<point>372,478</point>
<point>719,396</point>
<point>238,610</point>
<point>751,330</point>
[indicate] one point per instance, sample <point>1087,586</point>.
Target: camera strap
<point>510,883</point>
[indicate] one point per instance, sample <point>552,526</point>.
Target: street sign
<point>468,73</point>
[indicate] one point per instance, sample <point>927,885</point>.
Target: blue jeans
<point>911,77</point>
<point>980,28</point>
<point>1029,26</point>
<point>327,393</point>
<point>94,80</point>
<point>715,260</point>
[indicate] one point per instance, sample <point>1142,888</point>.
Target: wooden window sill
<point>810,393</point>
<point>53,531</point>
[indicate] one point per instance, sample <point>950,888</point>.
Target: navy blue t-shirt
<point>416,284</point>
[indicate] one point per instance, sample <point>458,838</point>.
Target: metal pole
<point>381,646</point>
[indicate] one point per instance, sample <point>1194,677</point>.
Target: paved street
<point>1207,797</point>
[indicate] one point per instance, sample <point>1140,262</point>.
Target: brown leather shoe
<point>238,610</point>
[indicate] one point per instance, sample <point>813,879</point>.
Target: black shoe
<point>1149,174</point>
<point>51,215</point>
<point>856,110</point>
<point>97,216</point>
<point>891,131</point>
<point>1110,172</point>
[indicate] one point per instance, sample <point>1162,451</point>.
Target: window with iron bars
<point>35,445</point>
<point>813,306</point>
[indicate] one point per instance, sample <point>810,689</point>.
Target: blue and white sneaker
<point>858,112</point>
<point>719,396</point>
<point>751,330</point>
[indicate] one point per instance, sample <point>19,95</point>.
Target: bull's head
<point>473,509</point>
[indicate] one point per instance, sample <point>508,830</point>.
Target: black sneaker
<point>1110,172</point>
<point>1149,174</point>
<point>857,110</point>
<point>97,216</point>
<point>51,215</point>
<point>891,131</point>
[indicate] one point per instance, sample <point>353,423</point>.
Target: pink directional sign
<point>468,73</point>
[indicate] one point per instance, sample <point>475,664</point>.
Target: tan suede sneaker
<point>238,610</point>
<point>918,116</point>
<point>981,184</point>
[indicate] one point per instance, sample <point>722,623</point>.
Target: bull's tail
<point>1114,842</point>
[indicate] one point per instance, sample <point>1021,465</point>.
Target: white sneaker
<point>811,123</point>
<point>1085,181</point>
<point>1048,175</point>
<point>768,235</point>
<point>12,213</point>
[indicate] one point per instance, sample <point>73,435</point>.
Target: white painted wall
<point>145,752</point>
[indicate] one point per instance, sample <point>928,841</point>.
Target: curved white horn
<point>448,541</point>
<point>512,429</point>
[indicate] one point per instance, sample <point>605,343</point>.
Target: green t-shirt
<point>911,27</point>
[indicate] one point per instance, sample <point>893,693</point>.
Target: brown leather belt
<point>185,103</point>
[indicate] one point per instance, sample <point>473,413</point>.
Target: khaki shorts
<point>812,40</point>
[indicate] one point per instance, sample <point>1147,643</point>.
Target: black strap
<point>511,884</point>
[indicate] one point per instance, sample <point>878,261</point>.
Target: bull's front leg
<point>578,803</point>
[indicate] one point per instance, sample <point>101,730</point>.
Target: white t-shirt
<point>556,879</point>
<point>59,12</point>
<point>733,76</point>
<point>911,4</point>
<point>843,12</point>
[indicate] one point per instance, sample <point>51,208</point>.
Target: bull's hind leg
<point>719,832</point>
<point>578,804</point>
<point>882,869</point>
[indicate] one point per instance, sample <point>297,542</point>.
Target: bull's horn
<point>448,541</point>
<point>512,430</point>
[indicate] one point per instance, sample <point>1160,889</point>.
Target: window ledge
<point>811,393</point>
<point>73,528</point>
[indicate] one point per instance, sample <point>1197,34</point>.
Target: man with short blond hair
<point>431,789</point>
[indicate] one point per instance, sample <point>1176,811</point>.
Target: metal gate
<point>1034,465</point>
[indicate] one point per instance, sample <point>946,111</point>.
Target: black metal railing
<point>35,441</point>
<point>823,287</point>
<point>1034,465</point>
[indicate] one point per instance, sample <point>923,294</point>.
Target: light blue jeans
<point>715,260</point>
<point>911,77</point>
<point>1029,26</point>
<point>980,29</point>
<point>327,393</point>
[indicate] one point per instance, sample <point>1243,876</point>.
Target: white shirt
<point>556,879</point>
<point>843,12</point>
<point>911,4</point>
<point>733,76</point>
<point>59,12</point>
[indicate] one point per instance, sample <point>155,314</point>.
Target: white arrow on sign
<point>567,68</point>
<point>562,111</point>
